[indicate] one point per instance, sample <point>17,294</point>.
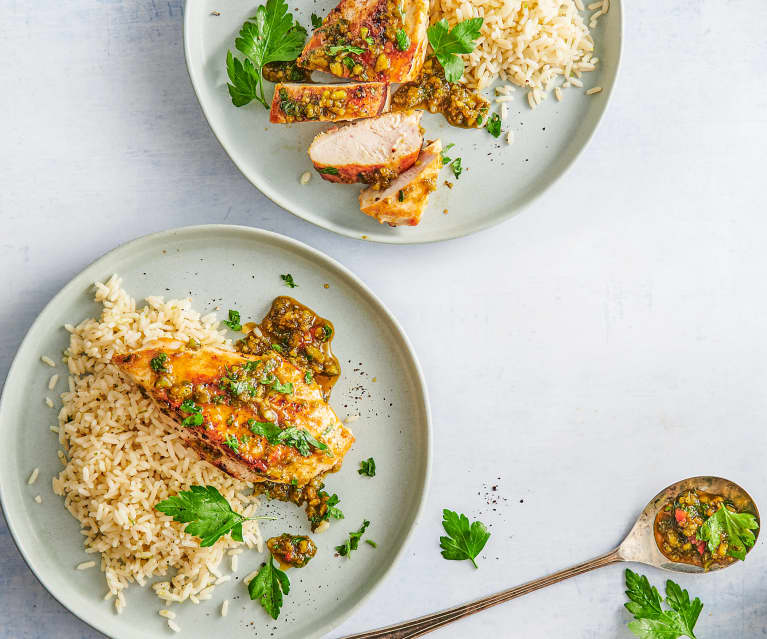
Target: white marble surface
<point>609,340</point>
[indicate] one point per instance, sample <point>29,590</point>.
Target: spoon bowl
<point>640,546</point>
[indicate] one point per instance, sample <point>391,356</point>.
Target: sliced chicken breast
<point>370,40</point>
<point>404,200</point>
<point>328,102</point>
<point>369,149</point>
<point>254,417</point>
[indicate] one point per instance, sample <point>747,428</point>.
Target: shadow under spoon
<point>639,546</point>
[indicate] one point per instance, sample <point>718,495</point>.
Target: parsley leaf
<point>301,440</point>
<point>456,167</point>
<point>158,363</point>
<point>368,467</point>
<point>195,418</point>
<point>285,389</point>
<point>445,159</point>
<point>732,528</point>
<point>268,587</point>
<point>316,21</point>
<point>346,48</point>
<point>370,542</point>
<point>288,279</point>
<point>269,36</point>
<point>403,41</point>
<point>448,43</point>
<point>232,442</point>
<point>308,377</point>
<point>234,320</point>
<point>328,170</point>
<point>650,620</point>
<point>353,542</point>
<point>465,541</point>
<point>207,514</point>
<point>335,513</point>
<point>494,125</point>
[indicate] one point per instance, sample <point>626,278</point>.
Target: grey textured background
<point>608,341</point>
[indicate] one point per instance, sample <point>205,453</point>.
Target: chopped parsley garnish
<point>327,331</point>
<point>234,321</point>
<point>343,48</point>
<point>195,418</point>
<point>464,540</point>
<point>308,377</point>
<point>328,170</point>
<point>401,195</point>
<point>270,36</point>
<point>207,514</point>
<point>353,542</point>
<point>734,528</point>
<point>350,64</point>
<point>285,389</point>
<point>403,41</point>
<point>158,363</point>
<point>298,438</point>
<point>370,41</point>
<point>242,387</point>
<point>288,279</point>
<point>368,467</point>
<point>277,347</point>
<point>294,482</point>
<point>454,164</point>
<point>370,542</point>
<point>449,43</point>
<point>456,168</point>
<point>316,21</point>
<point>232,442</point>
<point>494,125</point>
<point>650,620</point>
<point>268,586</point>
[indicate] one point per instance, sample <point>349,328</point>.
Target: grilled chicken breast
<point>404,200</point>
<point>370,40</point>
<point>328,102</point>
<point>254,417</point>
<point>369,149</point>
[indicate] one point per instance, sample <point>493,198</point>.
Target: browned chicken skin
<point>328,102</point>
<point>254,417</point>
<point>370,40</point>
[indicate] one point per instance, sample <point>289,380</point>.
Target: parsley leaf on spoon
<point>735,528</point>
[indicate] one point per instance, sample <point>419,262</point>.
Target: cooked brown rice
<point>122,458</point>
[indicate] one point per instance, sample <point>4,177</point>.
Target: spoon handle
<point>422,625</point>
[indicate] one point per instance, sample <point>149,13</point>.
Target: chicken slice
<point>404,200</point>
<point>328,102</point>
<point>370,40</point>
<point>254,417</point>
<point>366,150</point>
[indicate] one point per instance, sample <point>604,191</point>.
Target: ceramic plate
<point>239,268</point>
<point>498,179</point>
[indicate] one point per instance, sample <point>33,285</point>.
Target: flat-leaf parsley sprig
<point>269,36</point>
<point>207,514</point>
<point>268,586</point>
<point>650,620</point>
<point>466,540</point>
<point>449,43</point>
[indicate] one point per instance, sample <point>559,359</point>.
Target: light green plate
<point>498,179</point>
<point>231,267</point>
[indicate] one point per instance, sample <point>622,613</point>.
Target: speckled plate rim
<point>318,220</point>
<point>85,278</point>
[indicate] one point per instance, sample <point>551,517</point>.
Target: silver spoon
<point>639,546</point>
